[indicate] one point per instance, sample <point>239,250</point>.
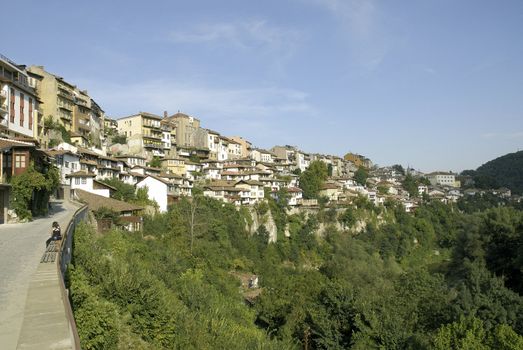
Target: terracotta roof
<point>80,174</point>
<point>171,176</point>
<point>87,151</point>
<point>130,156</point>
<point>105,185</point>
<point>8,143</point>
<point>96,202</point>
<point>329,186</point>
<point>86,161</point>
<point>135,174</point>
<point>156,178</point>
<point>231,173</point>
<point>294,189</point>
<point>223,188</point>
<point>253,182</point>
<point>222,183</point>
<point>60,152</point>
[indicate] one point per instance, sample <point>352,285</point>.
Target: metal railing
<point>64,258</point>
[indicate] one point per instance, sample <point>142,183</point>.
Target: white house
<point>67,162</point>
<point>157,190</point>
<point>18,101</point>
<point>81,180</point>
<point>442,179</point>
<point>234,149</point>
<point>223,149</point>
<point>132,160</point>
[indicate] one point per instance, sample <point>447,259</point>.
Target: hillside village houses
<point>168,154</point>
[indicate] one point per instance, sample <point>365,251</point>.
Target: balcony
<point>66,107</point>
<point>152,126</point>
<point>65,117</point>
<point>152,145</point>
<point>65,94</point>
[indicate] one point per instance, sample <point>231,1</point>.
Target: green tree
<point>410,184</point>
<point>361,175</point>
<point>313,178</point>
<point>119,138</point>
<point>399,169</point>
<point>156,162</point>
<point>124,192</point>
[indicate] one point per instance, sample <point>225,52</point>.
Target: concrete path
<point>21,247</point>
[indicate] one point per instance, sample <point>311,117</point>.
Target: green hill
<point>504,171</point>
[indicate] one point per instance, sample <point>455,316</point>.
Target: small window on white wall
<point>76,180</point>
<point>84,181</point>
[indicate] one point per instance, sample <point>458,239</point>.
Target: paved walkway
<point>21,247</point>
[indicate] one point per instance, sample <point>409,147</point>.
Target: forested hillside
<point>505,171</point>
<point>376,277</point>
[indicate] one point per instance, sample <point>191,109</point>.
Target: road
<point>21,247</point>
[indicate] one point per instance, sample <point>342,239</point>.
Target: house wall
<point>70,164</point>
<point>21,126</point>
<point>85,183</point>
<point>157,191</point>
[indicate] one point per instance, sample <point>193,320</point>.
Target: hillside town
<point>46,120</point>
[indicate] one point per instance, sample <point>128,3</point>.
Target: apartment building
<point>144,134</point>
<point>19,102</point>
<point>110,125</point>
<point>97,123</point>
<point>81,122</point>
<point>245,146</point>
<point>57,95</point>
<point>187,128</point>
<point>440,178</point>
<point>234,149</point>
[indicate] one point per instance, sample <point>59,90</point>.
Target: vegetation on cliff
<point>376,278</point>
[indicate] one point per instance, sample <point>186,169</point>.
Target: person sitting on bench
<point>57,233</point>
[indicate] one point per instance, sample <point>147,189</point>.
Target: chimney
<point>165,114</point>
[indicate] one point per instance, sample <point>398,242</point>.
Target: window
<point>22,109</point>
<point>30,114</point>
<point>66,164</point>
<point>20,161</point>
<point>12,109</point>
<point>84,181</point>
<point>7,161</point>
<point>76,180</point>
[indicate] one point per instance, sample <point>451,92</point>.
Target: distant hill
<point>505,171</point>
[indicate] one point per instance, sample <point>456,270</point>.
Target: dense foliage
<point>361,277</point>
<point>30,191</point>
<point>361,175</point>
<point>313,178</point>
<point>504,171</point>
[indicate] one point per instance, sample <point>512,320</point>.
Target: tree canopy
<point>356,277</point>
<point>313,178</point>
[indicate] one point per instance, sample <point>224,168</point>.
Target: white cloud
<point>210,103</point>
<point>246,34</point>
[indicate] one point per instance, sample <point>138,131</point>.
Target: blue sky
<point>435,84</point>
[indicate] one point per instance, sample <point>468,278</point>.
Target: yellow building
<point>358,160</point>
<point>174,165</point>
<point>68,105</point>
<point>144,134</point>
<point>57,96</point>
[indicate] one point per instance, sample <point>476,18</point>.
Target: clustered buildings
<point>43,116</point>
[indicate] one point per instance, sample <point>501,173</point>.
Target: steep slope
<point>504,171</point>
